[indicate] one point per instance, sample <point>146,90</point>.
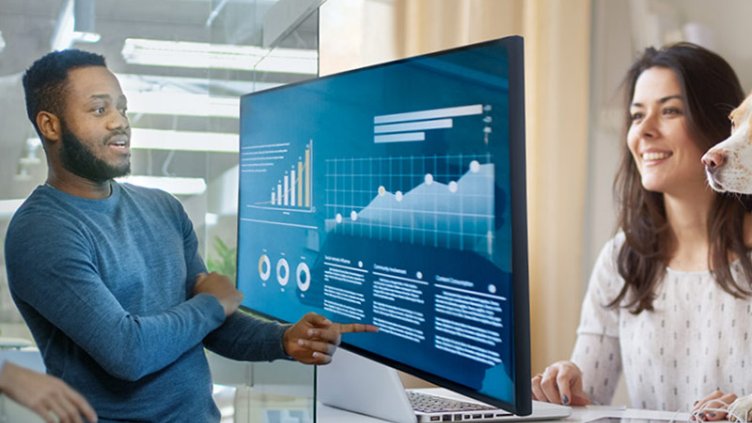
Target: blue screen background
<point>413,235</point>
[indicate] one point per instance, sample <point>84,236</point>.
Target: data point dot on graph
<point>419,275</point>
<point>492,289</point>
<point>264,267</point>
<point>283,272</point>
<point>474,166</point>
<point>353,215</point>
<point>428,179</point>
<point>453,186</point>
<point>398,195</point>
<point>338,218</point>
<point>382,190</point>
<point>360,264</point>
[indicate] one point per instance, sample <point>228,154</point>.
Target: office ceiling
<point>27,28</point>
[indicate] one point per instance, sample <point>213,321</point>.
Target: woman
<point>669,297</point>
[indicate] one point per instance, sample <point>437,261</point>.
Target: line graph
<point>440,200</point>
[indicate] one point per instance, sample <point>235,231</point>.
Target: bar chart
<point>412,126</point>
<point>293,189</point>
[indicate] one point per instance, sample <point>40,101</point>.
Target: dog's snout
<point>714,159</point>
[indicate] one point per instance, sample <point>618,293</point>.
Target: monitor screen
<point>395,195</point>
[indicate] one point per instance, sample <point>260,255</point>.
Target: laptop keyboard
<point>427,403</point>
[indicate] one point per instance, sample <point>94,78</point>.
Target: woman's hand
<point>49,397</point>
<point>560,383</point>
<point>713,407</point>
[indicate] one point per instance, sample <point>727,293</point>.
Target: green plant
<point>225,259</point>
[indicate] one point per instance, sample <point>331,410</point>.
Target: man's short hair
<point>46,80</point>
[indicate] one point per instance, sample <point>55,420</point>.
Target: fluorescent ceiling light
<point>8,207</point>
<point>2,42</point>
<point>172,95</point>
<point>184,104</point>
<point>221,56</point>
<point>138,82</point>
<point>161,139</point>
<point>165,139</point>
<point>173,185</point>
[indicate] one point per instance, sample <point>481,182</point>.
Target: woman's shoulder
<point>605,279</point>
<point>610,250</point>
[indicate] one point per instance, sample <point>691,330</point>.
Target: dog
<point>728,165</point>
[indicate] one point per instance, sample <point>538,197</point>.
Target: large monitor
<point>395,195</point>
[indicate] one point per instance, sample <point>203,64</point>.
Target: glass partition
<point>183,64</point>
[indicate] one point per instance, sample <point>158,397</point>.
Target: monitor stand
<point>360,385</point>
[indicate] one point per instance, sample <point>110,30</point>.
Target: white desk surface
<point>579,414</point>
<point>327,414</point>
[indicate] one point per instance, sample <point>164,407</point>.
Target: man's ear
<point>49,126</point>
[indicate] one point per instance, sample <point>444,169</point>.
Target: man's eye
<point>636,116</point>
<point>99,110</point>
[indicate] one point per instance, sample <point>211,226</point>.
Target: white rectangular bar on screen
<point>286,191</point>
<point>413,126</point>
<point>292,188</point>
<point>403,137</point>
<point>446,112</point>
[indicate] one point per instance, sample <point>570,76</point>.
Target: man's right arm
<point>57,278</point>
<point>220,287</point>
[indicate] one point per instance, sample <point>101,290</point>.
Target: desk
<point>327,414</point>
<point>579,414</point>
<point>252,406</point>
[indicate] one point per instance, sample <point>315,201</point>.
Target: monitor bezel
<point>522,405</point>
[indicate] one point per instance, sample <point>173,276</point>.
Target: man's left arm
<point>247,338</point>
<point>311,340</point>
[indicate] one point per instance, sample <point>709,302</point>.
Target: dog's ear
<point>741,114</point>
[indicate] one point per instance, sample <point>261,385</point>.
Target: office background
<point>183,101</point>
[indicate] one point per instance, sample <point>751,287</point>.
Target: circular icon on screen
<point>283,272</point>
<point>264,267</point>
<point>303,275</point>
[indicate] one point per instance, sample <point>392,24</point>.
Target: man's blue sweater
<point>106,289</point>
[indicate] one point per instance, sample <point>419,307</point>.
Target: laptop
<point>439,404</point>
<point>360,385</point>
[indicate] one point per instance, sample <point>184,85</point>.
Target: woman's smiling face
<point>666,154</point>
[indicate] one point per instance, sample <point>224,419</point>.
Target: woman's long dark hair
<point>710,90</point>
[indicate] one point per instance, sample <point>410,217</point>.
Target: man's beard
<point>78,159</point>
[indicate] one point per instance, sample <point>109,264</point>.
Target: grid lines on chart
<point>439,200</point>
